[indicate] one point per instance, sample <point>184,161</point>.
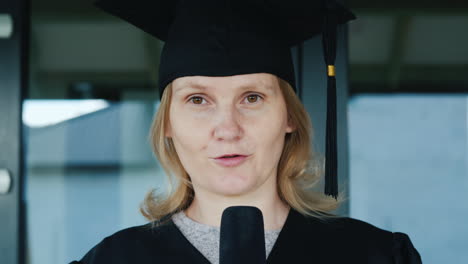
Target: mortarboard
<point>231,37</point>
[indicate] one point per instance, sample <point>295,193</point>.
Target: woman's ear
<point>168,132</point>
<point>290,127</point>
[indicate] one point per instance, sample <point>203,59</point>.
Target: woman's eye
<point>251,98</point>
<point>196,99</point>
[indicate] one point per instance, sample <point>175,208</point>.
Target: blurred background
<point>78,93</point>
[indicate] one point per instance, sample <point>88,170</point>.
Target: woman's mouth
<point>231,160</point>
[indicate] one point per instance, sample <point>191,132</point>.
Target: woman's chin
<point>233,189</point>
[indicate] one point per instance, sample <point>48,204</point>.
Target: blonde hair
<point>299,168</point>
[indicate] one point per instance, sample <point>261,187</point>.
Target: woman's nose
<point>227,125</point>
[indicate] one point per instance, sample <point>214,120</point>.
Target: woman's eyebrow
<point>242,87</point>
<point>191,86</point>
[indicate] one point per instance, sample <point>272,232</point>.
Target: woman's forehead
<point>241,82</point>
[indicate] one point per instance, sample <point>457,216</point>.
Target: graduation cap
<point>231,37</point>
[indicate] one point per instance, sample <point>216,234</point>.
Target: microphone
<point>242,236</point>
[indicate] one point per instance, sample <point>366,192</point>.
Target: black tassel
<point>329,39</point>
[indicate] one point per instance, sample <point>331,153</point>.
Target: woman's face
<point>215,116</point>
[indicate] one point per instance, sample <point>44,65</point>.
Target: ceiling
<point>395,46</point>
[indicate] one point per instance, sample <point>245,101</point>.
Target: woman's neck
<point>207,208</point>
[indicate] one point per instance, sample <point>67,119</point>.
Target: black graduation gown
<point>301,240</point>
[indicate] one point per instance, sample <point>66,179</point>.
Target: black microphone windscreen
<point>242,236</point>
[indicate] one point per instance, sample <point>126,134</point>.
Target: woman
<point>231,131</point>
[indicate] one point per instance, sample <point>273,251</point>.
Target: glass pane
<point>409,169</point>
<point>91,100</point>
<point>86,174</point>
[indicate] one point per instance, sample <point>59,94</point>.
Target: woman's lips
<point>230,162</point>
